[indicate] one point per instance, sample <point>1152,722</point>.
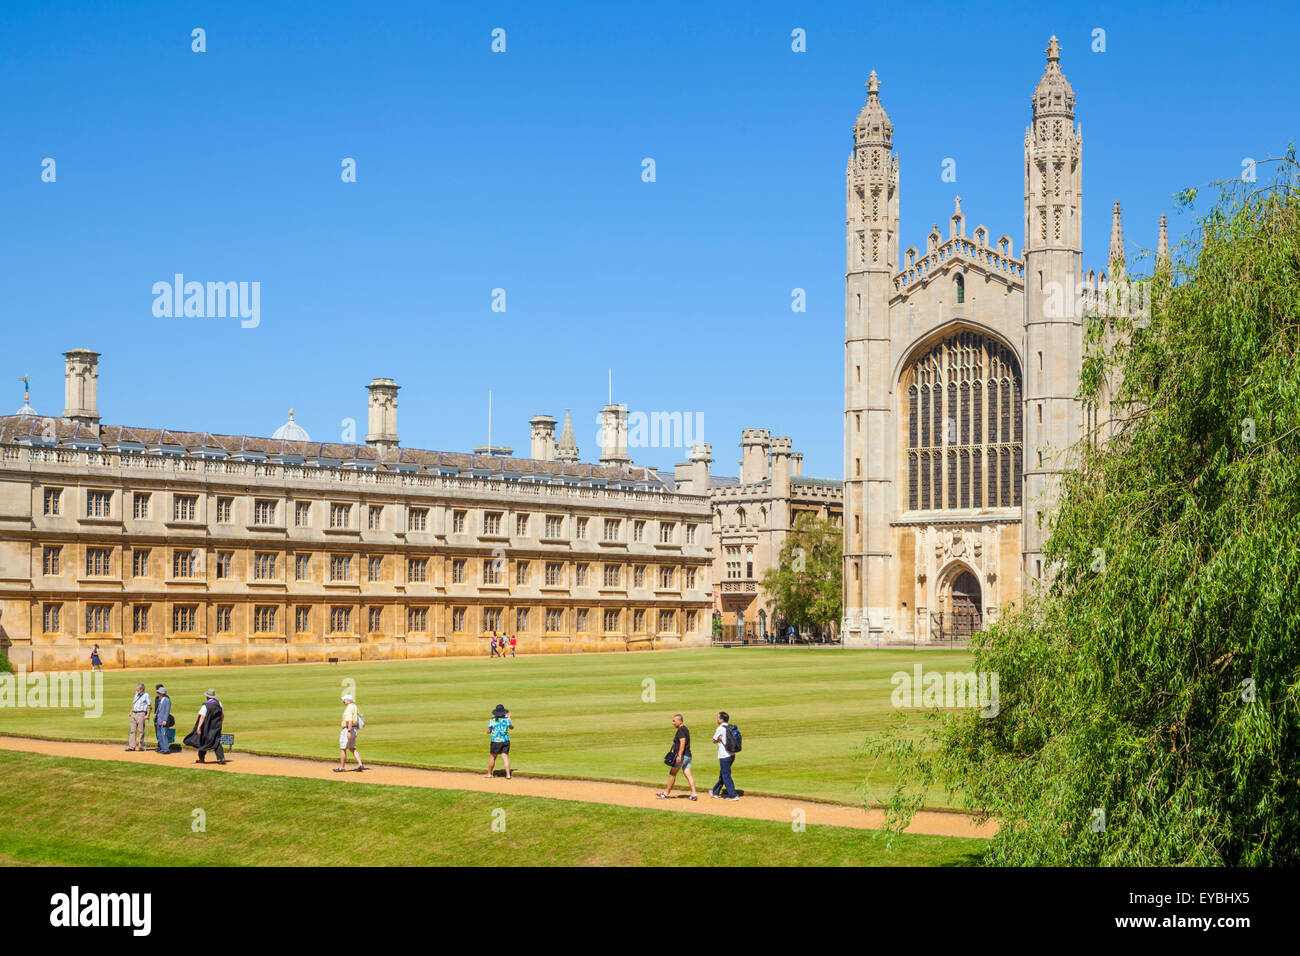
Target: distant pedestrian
<point>681,754</point>
<point>140,708</point>
<point>725,760</point>
<point>512,645</point>
<point>163,719</point>
<point>95,663</point>
<point>348,735</point>
<point>496,651</point>
<point>499,739</point>
<point>206,734</point>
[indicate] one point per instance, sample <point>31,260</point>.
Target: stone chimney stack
<point>81,388</point>
<point>754,444</point>
<point>781,453</point>
<point>613,435</point>
<point>543,432</point>
<point>382,434</point>
<point>796,465</point>
<point>701,459</point>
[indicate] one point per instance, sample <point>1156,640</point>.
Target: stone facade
<point>961,376</point>
<point>752,517</point>
<point>169,547</point>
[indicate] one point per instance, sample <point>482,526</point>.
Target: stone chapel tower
<point>872,240</point>
<point>1053,342</point>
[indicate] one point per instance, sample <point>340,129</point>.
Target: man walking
<point>682,747</point>
<point>206,734</point>
<point>494,645</point>
<point>162,719</point>
<point>140,708</point>
<point>499,739</point>
<point>348,735</point>
<point>725,760</point>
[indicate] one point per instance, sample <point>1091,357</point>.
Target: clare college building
<point>175,547</point>
<point>961,380</point>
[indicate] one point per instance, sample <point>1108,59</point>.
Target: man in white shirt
<point>725,760</point>
<point>140,708</point>
<point>348,735</point>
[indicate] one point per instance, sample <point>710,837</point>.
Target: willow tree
<point>1149,708</point>
<point>804,587</point>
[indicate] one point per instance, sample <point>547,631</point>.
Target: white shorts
<point>344,742</point>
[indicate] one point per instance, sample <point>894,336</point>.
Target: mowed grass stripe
<point>805,713</point>
<point>67,811</point>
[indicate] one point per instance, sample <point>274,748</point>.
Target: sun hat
<point>499,710</point>
<point>161,689</point>
<point>210,693</point>
<point>348,698</point>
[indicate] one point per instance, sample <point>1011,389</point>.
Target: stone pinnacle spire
<point>1116,241</point>
<point>1162,244</point>
<point>567,449</point>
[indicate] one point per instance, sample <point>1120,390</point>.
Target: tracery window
<point>965,425</point>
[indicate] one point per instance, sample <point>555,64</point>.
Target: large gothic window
<point>965,425</point>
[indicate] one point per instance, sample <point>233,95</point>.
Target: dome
<point>291,431</point>
<point>27,410</point>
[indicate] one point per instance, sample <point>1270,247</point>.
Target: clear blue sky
<point>522,171</point>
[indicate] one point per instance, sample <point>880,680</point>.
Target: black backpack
<point>731,740</point>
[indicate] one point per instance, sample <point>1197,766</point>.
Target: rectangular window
<point>263,566</point>
<point>417,570</point>
<point>224,614</point>
<point>690,621</point>
<point>98,562</point>
<point>375,569</point>
<point>374,517</point>
<point>50,560</point>
<point>99,504</point>
<point>340,567</point>
<point>417,519</point>
<point>140,563</point>
<point>667,532</point>
<point>184,508</point>
<point>225,510</point>
<point>263,511</point>
<point>375,620</point>
<point>140,505</point>
<point>554,573</point>
<point>184,618</point>
<point>51,615</point>
<point>580,575</point>
<point>690,533</point>
<point>492,570</point>
<point>53,502</point>
<point>340,619</point>
<point>491,619</point>
<point>521,620</point>
<point>690,579</point>
<point>301,514</point>
<point>581,533</point>
<point>665,577</point>
<point>610,621</point>
<point>458,620</point>
<point>183,564</point>
<point>302,567</point>
<point>638,531</point>
<point>492,522</point>
<point>612,528</point>
<point>340,516</point>
<point>580,620</point>
<point>458,522</point>
<point>521,572</point>
<point>301,620</point>
<point>458,571</point>
<point>665,622</point>
<point>612,575</point>
<point>263,619</point>
<point>417,620</point>
<point>554,526</point>
<point>638,576</point>
<point>98,618</point>
<point>638,622</point>
<point>521,526</point>
<point>554,619</point>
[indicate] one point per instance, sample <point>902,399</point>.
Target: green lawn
<point>60,811</point>
<point>804,712</point>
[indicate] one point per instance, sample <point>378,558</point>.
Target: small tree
<point>804,587</point>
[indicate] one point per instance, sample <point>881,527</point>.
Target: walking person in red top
<point>512,645</point>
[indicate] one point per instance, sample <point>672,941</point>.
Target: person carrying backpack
<point>727,738</point>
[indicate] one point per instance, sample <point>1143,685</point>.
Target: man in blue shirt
<point>499,739</point>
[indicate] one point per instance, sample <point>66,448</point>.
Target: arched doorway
<point>965,604</point>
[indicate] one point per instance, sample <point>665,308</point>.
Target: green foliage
<point>805,587</point>
<point>5,666</point>
<point>1157,680</point>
